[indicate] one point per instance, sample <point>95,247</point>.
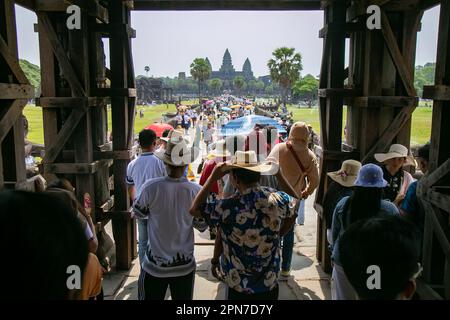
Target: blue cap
<point>370,176</point>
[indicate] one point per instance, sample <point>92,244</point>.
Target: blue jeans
<point>286,252</point>
<point>143,239</point>
<point>301,213</point>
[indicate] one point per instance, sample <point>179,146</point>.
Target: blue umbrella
<point>245,125</point>
<point>226,109</point>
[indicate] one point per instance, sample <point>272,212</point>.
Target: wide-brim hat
<point>177,152</point>
<point>370,176</point>
<point>219,151</point>
<point>396,151</point>
<point>346,176</point>
<point>248,160</point>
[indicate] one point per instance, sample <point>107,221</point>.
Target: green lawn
<point>421,126</point>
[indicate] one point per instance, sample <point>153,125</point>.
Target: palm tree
<point>285,69</point>
<point>147,69</point>
<point>239,83</point>
<point>200,71</point>
<point>215,84</point>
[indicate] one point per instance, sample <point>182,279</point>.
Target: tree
<point>147,69</point>
<point>200,71</point>
<point>239,83</point>
<point>306,89</point>
<point>260,86</point>
<point>215,84</point>
<point>424,76</point>
<point>251,86</point>
<point>285,69</point>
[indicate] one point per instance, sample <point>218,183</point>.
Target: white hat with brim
<point>219,151</point>
<point>177,152</point>
<point>346,176</point>
<point>248,160</point>
<point>395,151</point>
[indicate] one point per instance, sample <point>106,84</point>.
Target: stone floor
<point>307,280</point>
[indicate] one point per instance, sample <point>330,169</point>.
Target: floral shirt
<point>250,224</point>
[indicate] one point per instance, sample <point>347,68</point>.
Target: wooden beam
<point>439,200</point>
<point>441,234</point>
<point>107,29</point>
<point>58,50</point>
<point>10,116</point>
<point>71,168</point>
<point>10,91</point>
<point>114,92</point>
<point>90,7</point>
<point>432,178</point>
<point>391,131</point>
<point>253,5</point>
<point>63,135</point>
<point>385,101</point>
<point>68,102</point>
<point>343,92</point>
<point>404,72</point>
<point>12,62</point>
<point>348,27</point>
<point>438,92</point>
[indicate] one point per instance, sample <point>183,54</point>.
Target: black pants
<point>269,295</point>
<point>153,288</point>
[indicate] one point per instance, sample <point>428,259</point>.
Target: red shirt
<point>208,168</point>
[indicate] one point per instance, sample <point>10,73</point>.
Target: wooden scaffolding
<point>377,87</point>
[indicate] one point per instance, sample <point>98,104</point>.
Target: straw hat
<point>220,150</point>
<point>395,151</point>
<point>177,152</point>
<point>249,160</point>
<point>346,176</point>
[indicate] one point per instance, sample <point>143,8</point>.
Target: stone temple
<point>227,71</point>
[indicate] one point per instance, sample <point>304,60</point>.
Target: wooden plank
<point>404,72</point>
<point>116,155</point>
<point>71,168</point>
<point>107,29</point>
<point>391,131</point>
<point>348,27</point>
<point>12,62</point>
<point>63,135</point>
<point>10,91</point>
<point>9,117</point>
<point>441,234</point>
<point>226,5</point>
<point>68,102</point>
<point>91,7</point>
<point>64,63</point>
<point>439,200</point>
<point>438,92</point>
<point>385,101</point>
<point>343,92</point>
<point>115,92</point>
<point>433,177</point>
<point>425,292</point>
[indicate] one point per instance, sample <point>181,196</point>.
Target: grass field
<point>421,124</point>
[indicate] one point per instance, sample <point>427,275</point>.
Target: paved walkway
<point>307,280</point>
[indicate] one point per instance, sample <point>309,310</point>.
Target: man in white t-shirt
<point>141,169</point>
<point>208,135</point>
<point>165,202</point>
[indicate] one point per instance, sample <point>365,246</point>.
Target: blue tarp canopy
<point>245,125</point>
<point>226,109</point>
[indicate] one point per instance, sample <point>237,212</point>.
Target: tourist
<point>398,180</point>
<point>385,245</point>
<point>165,202</point>
<point>146,166</point>
<point>410,208</point>
<point>299,164</point>
<point>208,135</point>
<point>163,140</point>
<point>41,234</point>
<point>366,202</point>
<point>341,186</point>
<point>250,223</point>
<point>64,185</point>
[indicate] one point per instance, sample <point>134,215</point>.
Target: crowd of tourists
<point>250,195</point>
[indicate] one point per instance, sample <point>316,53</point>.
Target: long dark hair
<point>364,203</point>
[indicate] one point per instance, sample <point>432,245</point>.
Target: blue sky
<point>168,41</point>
